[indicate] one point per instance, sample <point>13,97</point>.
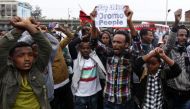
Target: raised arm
<point>166,59</point>
<point>72,47</point>
<point>10,39</point>
<point>44,45</point>
<point>129,14</point>
<point>173,70</point>
<point>139,62</point>
<point>94,31</point>
<point>67,39</point>
<point>170,43</point>
<point>6,43</point>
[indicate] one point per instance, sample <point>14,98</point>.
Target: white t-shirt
<point>89,84</point>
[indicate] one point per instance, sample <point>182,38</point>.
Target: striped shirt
<point>89,83</point>
<point>88,73</point>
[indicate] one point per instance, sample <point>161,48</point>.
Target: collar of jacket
<point>180,48</point>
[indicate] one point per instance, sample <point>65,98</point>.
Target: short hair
<point>126,34</point>
<point>17,45</point>
<point>183,27</point>
<point>84,40</point>
<point>144,31</point>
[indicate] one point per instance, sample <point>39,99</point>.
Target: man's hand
<point>60,28</point>
<point>43,28</point>
<point>128,12</point>
<point>93,14</point>
<point>17,22</point>
<point>160,52</point>
<point>65,30</point>
<point>164,57</point>
<point>28,24</point>
<point>20,23</point>
<point>178,15</point>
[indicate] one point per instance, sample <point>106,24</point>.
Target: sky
<point>147,10</point>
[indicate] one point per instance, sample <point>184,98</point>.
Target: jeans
<point>128,105</point>
<point>100,95</point>
<point>89,102</point>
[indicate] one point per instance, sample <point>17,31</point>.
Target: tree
<point>37,13</point>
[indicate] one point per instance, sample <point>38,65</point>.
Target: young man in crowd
<point>88,69</point>
<point>141,45</point>
<point>22,84</point>
<point>63,97</point>
<point>179,50</point>
<point>151,91</point>
<point>117,91</point>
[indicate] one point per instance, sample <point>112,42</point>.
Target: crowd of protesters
<point>53,68</point>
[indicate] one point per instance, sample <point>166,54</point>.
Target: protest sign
<point>110,16</point>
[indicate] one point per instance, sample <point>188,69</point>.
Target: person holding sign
<point>117,91</point>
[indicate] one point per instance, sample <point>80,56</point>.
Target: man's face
<point>182,36</point>
<point>148,38</point>
<point>23,58</point>
<point>118,44</point>
<point>85,49</point>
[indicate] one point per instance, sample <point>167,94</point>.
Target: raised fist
<point>128,12</point>
<point>178,15</point>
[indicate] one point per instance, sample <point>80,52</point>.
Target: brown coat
<point>59,66</point>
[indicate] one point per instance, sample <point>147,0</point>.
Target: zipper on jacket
<point>45,96</point>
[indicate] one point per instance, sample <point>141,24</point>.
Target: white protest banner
<point>110,16</point>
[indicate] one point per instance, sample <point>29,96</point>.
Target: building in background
<point>187,16</point>
<point>9,8</point>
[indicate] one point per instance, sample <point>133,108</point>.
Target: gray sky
<point>143,9</point>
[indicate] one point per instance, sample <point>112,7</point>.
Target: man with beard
<point>179,87</point>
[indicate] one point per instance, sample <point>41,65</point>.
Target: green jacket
<point>10,78</point>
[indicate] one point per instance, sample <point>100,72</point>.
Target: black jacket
<point>164,75</point>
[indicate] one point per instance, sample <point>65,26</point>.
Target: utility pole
<point>166,20</point>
